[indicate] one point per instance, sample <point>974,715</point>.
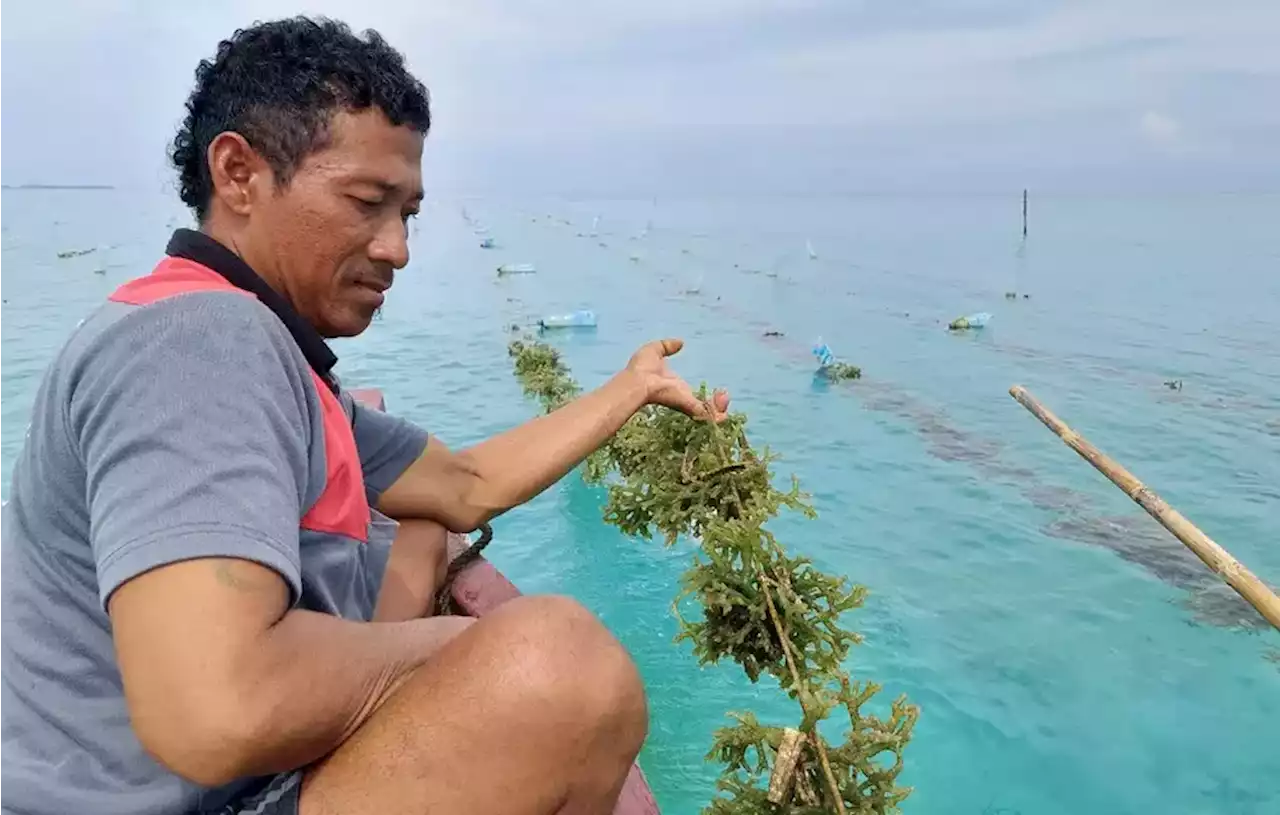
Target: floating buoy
<point>583,318</point>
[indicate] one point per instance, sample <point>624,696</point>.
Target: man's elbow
<point>211,747</point>
<point>472,504</point>
<point>466,518</point>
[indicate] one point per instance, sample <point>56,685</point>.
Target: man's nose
<point>391,245</point>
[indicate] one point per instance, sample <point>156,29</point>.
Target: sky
<point>709,97</point>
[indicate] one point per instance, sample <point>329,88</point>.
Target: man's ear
<point>241,176</point>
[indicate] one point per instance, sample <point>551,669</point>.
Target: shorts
<point>278,795</point>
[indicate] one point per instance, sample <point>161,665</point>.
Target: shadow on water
<point>1136,539</point>
<point>1140,540</point>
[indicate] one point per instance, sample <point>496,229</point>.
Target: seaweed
<point>775,614</point>
<point>840,371</point>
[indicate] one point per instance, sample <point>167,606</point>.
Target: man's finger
<point>670,346</point>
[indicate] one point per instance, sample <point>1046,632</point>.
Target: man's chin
<point>351,323</point>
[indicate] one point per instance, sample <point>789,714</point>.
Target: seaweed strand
<point>768,611</point>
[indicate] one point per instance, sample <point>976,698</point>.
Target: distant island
<point>56,187</point>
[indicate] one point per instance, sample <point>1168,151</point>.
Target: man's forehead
<point>365,147</point>
<point>371,125</point>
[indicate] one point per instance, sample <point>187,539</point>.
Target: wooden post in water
<point>1245,582</point>
<point>1024,212</point>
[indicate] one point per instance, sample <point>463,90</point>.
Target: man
<point>195,615</point>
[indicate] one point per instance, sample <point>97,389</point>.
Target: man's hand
<point>662,386</point>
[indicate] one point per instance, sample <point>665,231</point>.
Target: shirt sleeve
<point>193,418</point>
<point>387,445</point>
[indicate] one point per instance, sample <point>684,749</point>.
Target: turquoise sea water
<point>1069,656</point>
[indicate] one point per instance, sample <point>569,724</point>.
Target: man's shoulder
<point>194,323</point>
<point>194,353</point>
<point>223,307</point>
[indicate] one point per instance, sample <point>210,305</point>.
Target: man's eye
<point>366,204</point>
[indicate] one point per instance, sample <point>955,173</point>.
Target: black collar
<point>200,248</point>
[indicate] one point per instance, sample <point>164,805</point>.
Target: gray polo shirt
<point>179,421</point>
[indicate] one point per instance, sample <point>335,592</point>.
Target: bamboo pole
<point>1238,577</point>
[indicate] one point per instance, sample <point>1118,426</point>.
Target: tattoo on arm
<point>242,576</point>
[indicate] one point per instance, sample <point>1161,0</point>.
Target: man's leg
<point>415,569</point>
<point>532,710</point>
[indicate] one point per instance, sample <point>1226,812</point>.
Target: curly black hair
<point>278,84</point>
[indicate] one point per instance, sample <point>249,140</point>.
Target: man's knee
<point>549,663</point>
<point>564,654</point>
<point>538,695</point>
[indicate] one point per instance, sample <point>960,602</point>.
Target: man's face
<point>336,233</point>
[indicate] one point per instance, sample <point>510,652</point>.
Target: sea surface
<point>1068,655</point>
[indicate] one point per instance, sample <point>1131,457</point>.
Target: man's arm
<point>193,420</point>
<point>223,681</point>
<point>465,489</point>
